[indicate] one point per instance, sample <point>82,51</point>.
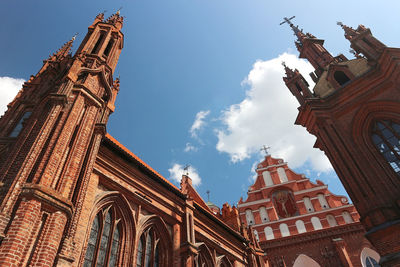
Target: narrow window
<point>97,45</point>
<point>269,233</point>
<point>301,228</point>
<point>104,240</point>
<point>256,236</point>
<point>20,125</point>
<point>331,220</point>
<point>307,203</point>
<point>284,229</point>
<point>386,137</point>
<point>322,201</point>
<point>149,251</point>
<point>267,178</point>
<point>316,223</point>
<point>282,175</point>
<point>264,214</point>
<point>108,47</point>
<point>341,77</point>
<point>249,217</point>
<point>347,217</point>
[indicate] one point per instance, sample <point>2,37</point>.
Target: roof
<point>129,153</point>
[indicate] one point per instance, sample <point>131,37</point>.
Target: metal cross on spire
<point>208,195</point>
<point>288,21</point>
<point>186,169</point>
<point>265,149</point>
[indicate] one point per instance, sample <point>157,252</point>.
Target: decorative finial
<point>74,37</point>
<point>119,10</point>
<point>186,169</point>
<point>208,195</point>
<point>265,149</point>
<point>339,23</point>
<point>284,64</point>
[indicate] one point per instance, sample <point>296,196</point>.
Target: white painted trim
<point>310,190</point>
<point>304,215</point>
<point>254,202</point>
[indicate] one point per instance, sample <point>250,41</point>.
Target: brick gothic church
<point>72,195</point>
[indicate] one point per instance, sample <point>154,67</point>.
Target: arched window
<point>284,229</point>
<point>104,240</point>
<point>341,77</point>
<point>204,258</point>
<point>267,178</point>
<point>316,223</point>
<point>269,233</point>
<point>369,258</point>
<point>301,228</point>
<point>371,262</point>
<point>307,203</point>
<point>20,125</point>
<point>322,201</point>
<point>331,220</point>
<point>264,214</point>
<point>249,217</point>
<point>386,137</point>
<point>282,175</point>
<point>148,249</point>
<point>347,217</point>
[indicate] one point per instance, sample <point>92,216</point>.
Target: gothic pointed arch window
<point>386,137</point>
<point>149,249</point>
<point>104,242</point>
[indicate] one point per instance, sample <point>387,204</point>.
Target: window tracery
<point>386,137</point>
<point>148,249</point>
<point>104,240</point>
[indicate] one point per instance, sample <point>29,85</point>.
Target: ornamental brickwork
<point>72,195</point>
<point>353,110</point>
<point>293,217</point>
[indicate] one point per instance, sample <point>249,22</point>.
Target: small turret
<point>362,41</point>
<point>297,84</point>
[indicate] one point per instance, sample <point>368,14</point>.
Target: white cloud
<point>198,122</point>
<point>189,147</point>
<point>267,115</point>
<point>176,172</point>
<point>9,88</point>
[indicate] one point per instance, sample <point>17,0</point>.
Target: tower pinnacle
<point>299,33</point>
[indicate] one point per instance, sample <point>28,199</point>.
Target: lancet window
<point>104,240</point>
<point>386,137</point>
<point>149,249</point>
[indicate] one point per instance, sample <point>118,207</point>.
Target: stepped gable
<point>282,203</point>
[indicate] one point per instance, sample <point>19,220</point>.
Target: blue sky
<point>214,60</point>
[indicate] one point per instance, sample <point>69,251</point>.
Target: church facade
<point>300,223</point>
<point>72,195</point>
<point>353,110</point>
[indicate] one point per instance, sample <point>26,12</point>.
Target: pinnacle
<point>349,32</point>
<point>64,50</point>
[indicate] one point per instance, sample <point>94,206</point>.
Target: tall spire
<point>64,50</point>
<point>299,33</point>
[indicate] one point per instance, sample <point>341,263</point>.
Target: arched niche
<point>305,261</point>
<point>366,255</point>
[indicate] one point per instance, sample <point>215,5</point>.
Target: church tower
<point>354,113</point>
<point>49,138</point>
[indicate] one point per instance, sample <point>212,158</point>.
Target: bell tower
<point>354,113</point>
<point>49,138</point>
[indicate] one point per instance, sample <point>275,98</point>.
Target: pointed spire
<point>299,33</point>
<point>289,72</point>
<point>64,50</point>
<point>349,32</point>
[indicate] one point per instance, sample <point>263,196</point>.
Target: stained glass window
<point>371,262</point>
<point>386,137</point>
<point>149,251</point>
<point>102,250</point>
<point>20,125</point>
